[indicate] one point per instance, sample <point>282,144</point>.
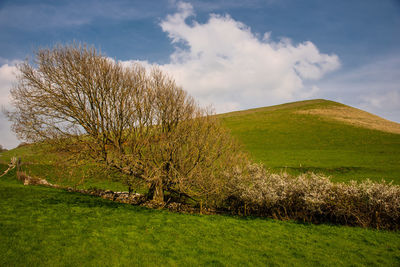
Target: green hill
<point>47,226</point>
<point>315,135</point>
<point>320,136</point>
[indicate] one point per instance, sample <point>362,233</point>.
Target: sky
<point>232,55</point>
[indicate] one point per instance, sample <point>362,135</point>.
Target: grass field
<point>42,226</point>
<point>285,137</point>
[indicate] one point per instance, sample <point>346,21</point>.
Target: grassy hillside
<point>42,226</point>
<point>316,135</point>
<point>47,226</point>
<point>320,136</point>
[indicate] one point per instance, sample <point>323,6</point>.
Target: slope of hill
<point>320,136</point>
<point>315,135</point>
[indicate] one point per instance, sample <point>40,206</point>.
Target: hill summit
<point>320,136</point>
<point>330,110</point>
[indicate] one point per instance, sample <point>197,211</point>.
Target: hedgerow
<point>314,198</point>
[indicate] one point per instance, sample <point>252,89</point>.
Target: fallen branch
<point>11,166</point>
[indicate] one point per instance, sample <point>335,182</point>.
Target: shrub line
<point>307,198</point>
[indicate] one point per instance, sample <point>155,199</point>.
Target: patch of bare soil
<point>355,117</point>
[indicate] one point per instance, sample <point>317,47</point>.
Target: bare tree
<point>2,149</point>
<point>137,122</point>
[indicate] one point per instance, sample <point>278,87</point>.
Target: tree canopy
<point>131,119</point>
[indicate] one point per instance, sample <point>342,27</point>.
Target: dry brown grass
<point>286,106</point>
<point>354,117</point>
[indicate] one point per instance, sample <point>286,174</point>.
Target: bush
<point>314,198</point>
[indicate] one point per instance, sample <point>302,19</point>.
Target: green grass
<point>42,226</point>
<point>283,140</point>
<point>41,161</point>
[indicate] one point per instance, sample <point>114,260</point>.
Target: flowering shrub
<point>314,198</point>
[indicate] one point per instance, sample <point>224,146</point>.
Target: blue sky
<point>232,54</point>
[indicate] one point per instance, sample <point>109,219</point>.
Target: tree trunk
<point>156,191</point>
<point>130,190</point>
<point>19,165</point>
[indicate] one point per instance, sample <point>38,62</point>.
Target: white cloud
<point>385,103</point>
<point>222,62</point>
<point>7,77</point>
<point>386,100</point>
<point>374,87</point>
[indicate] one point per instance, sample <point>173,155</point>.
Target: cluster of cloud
<point>7,77</point>
<point>374,87</point>
<point>389,100</point>
<point>221,62</point>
